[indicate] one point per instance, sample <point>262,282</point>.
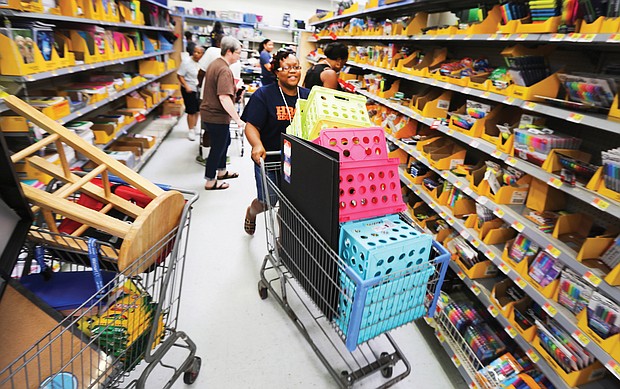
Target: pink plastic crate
<point>369,189</point>
<point>355,144</point>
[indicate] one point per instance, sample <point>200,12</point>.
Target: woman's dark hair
<point>188,35</point>
<point>336,51</point>
<point>261,46</point>
<point>279,57</point>
<point>217,27</point>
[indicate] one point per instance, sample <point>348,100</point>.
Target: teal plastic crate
<point>383,245</point>
<point>369,308</point>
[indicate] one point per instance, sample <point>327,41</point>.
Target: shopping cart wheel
<point>386,371</point>
<point>262,290</point>
<point>192,371</point>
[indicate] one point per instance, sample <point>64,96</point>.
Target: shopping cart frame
<point>167,285</point>
<point>361,363</point>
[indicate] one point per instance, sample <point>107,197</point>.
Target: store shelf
<point>281,28</point>
<point>610,39</point>
<point>512,216</point>
<point>564,318</point>
<point>483,294</point>
<point>367,12</point>
<point>454,356</point>
<point>70,19</point>
<point>578,192</point>
<point>116,96</point>
<point>79,68</point>
<point>127,127</point>
<point>593,120</point>
<point>158,4</point>
<point>147,156</point>
<point>195,18</point>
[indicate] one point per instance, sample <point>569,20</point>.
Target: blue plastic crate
<point>380,246</point>
<point>368,308</point>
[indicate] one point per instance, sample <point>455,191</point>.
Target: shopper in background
<point>217,32</point>
<point>217,109</point>
<point>270,110</point>
<point>325,73</point>
<point>189,38</point>
<point>188,77</point>
<point>264,49</point>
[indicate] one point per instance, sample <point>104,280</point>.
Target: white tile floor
<point>245,342</point>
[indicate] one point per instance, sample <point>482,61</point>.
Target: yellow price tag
<point>476,243</point>
<point>450,132</point>
<point>600,203</point>
<point>432,205</point>
<point>614,38</point>
<point>497,154</point>
<point>461,275</point>
<point>505,37</point>
<point>519,281</point>
<point>429,320</point>
<point>444,174</point>
<point>442,214</point>
<point>492,310</point>
<point>557,37</point>
<point>492,37</point>
<point>587,37</point>
<point>511,161</point>
<point>554,251</point>
<point>575,117</point>
<point>490,254</point>
<point>521,37</point>
<point>531,106</point>
<point>581,338</point>
<point>550,309</point>
<point>504,268</point>
<point>486,95</point>
<point>511,332</point>
<point>450,221</point>
<point>555,182</point>
<point>458,184</point>
<point>533,356</point>
<point>499,213</point>
<point>518,226</point>
<point>614,368</point>
<point>456,361</point>
<point>475,289</point>
<point>473,385</point>
<point>509,100</point>
<point>417,191</point>
<point>573,36</point>
<point>440,337</point>
<point>592,278</point>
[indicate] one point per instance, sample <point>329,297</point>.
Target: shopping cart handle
<point>276,152</point>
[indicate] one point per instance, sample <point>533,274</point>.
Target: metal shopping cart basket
<point>343,318</point>
<point>131,317</point>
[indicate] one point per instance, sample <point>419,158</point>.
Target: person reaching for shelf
<point>270,110</point>
<point>325,72</point>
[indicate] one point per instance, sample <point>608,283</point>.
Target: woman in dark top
<point>325,73</point>
<point>270,110</point>
<point>266,76</point>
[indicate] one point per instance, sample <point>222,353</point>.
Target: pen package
<point>523,248</point>
<point>603,316</point>
<point>574,293</point>
<point>544,269</point>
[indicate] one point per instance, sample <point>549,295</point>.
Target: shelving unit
<point>510,214</point>
<point>59,76</point>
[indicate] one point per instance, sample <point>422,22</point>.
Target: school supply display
<point>611,257</point>
<point>559,344</point>
<point>501,369</point>
<point>603,316</point>
<point>473,111</point>
<point>544,269</point>
<point>574,293</point>
<point>527,70</point>
<point>418,169</point>
<point>498,176</point>
<point>523,249</point>
<point>534,145</point>
<point>466,67</point>
<point>513,10</point>
<point>611,169</point>
<point>541,10</point>
<point>544,221</point>
<point>466,253</point>
<point>591,91</point>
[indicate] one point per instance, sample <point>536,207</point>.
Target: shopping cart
<point>132,317</point>
<point>330,328</point>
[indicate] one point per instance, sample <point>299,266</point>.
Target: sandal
<point>249,225</point>
<point>227,176</point>
<point>221,186</point>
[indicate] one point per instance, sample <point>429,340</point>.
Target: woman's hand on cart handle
<point>258,153</point>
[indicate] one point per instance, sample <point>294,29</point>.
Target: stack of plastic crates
<point>328,108</point>
<point>389,264</point>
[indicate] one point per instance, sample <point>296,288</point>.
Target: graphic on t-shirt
<point>282,115</point>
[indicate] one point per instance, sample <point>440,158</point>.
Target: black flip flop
<point>221,186</point>
<point>228,176</point>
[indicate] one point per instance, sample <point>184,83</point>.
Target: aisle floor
<point>245,342</point>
